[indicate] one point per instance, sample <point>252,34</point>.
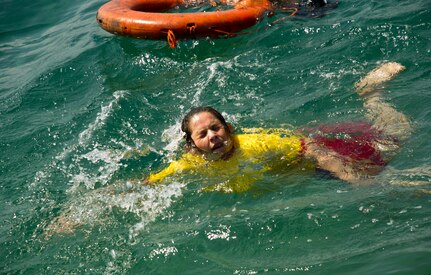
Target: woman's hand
<point>139,181</point>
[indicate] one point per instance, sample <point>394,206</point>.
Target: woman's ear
<point>231,129</point>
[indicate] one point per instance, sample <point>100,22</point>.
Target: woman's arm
<point>173,168</point>
<point>186,163</point>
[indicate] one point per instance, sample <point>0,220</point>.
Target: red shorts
<point>355,141</point>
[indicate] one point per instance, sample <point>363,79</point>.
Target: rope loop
<point>293,12</point>
<point>191,29</point>
<point>172,41</point>
<point>228,34</point>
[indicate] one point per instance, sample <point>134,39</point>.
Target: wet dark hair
<point>185,124</point>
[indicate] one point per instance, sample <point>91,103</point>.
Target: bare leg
<point>383,116</point>
<point>358,172</point>
<point>331,161</point>
<point>394,125</point>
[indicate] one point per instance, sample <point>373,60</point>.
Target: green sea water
<point>83,111</point>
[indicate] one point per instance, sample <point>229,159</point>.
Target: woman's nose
<point>212,135</point>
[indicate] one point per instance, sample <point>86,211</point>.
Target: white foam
<point>105,163</point>
<point>84,139</point>
<point>417,176</point>
<point>165,251</point>
<point>214,75</point>
<point>152,204</point>
<point>223,232</point>
<point>95,207</point>
<point>101,117</point>
<point>173,136</point>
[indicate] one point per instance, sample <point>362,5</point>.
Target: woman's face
<point>210,136</point>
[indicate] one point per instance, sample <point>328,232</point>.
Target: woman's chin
<point>222,152</point>
<point>216,154</point>
<point>213,156</point>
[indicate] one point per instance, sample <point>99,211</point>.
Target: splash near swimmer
<point>148,19</point>
<point>228,162</point>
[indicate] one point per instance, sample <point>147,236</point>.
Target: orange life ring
<point>145,19</point>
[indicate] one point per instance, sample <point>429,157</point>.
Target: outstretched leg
<point>394,125</point>
<point>383,116</point>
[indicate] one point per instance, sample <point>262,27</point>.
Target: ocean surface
<point>84,112</point>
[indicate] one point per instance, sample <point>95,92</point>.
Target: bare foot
<point>383,73</point>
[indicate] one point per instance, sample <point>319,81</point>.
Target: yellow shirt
<point>254,154</point>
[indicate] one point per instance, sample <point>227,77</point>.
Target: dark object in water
<point>307,8</point>
<point>317,8</point>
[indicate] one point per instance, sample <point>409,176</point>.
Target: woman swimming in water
<point>213,149</point>
<point>353,152</point>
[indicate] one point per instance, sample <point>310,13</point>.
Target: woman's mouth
<point>220,147</point>
<point>217,147</point>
